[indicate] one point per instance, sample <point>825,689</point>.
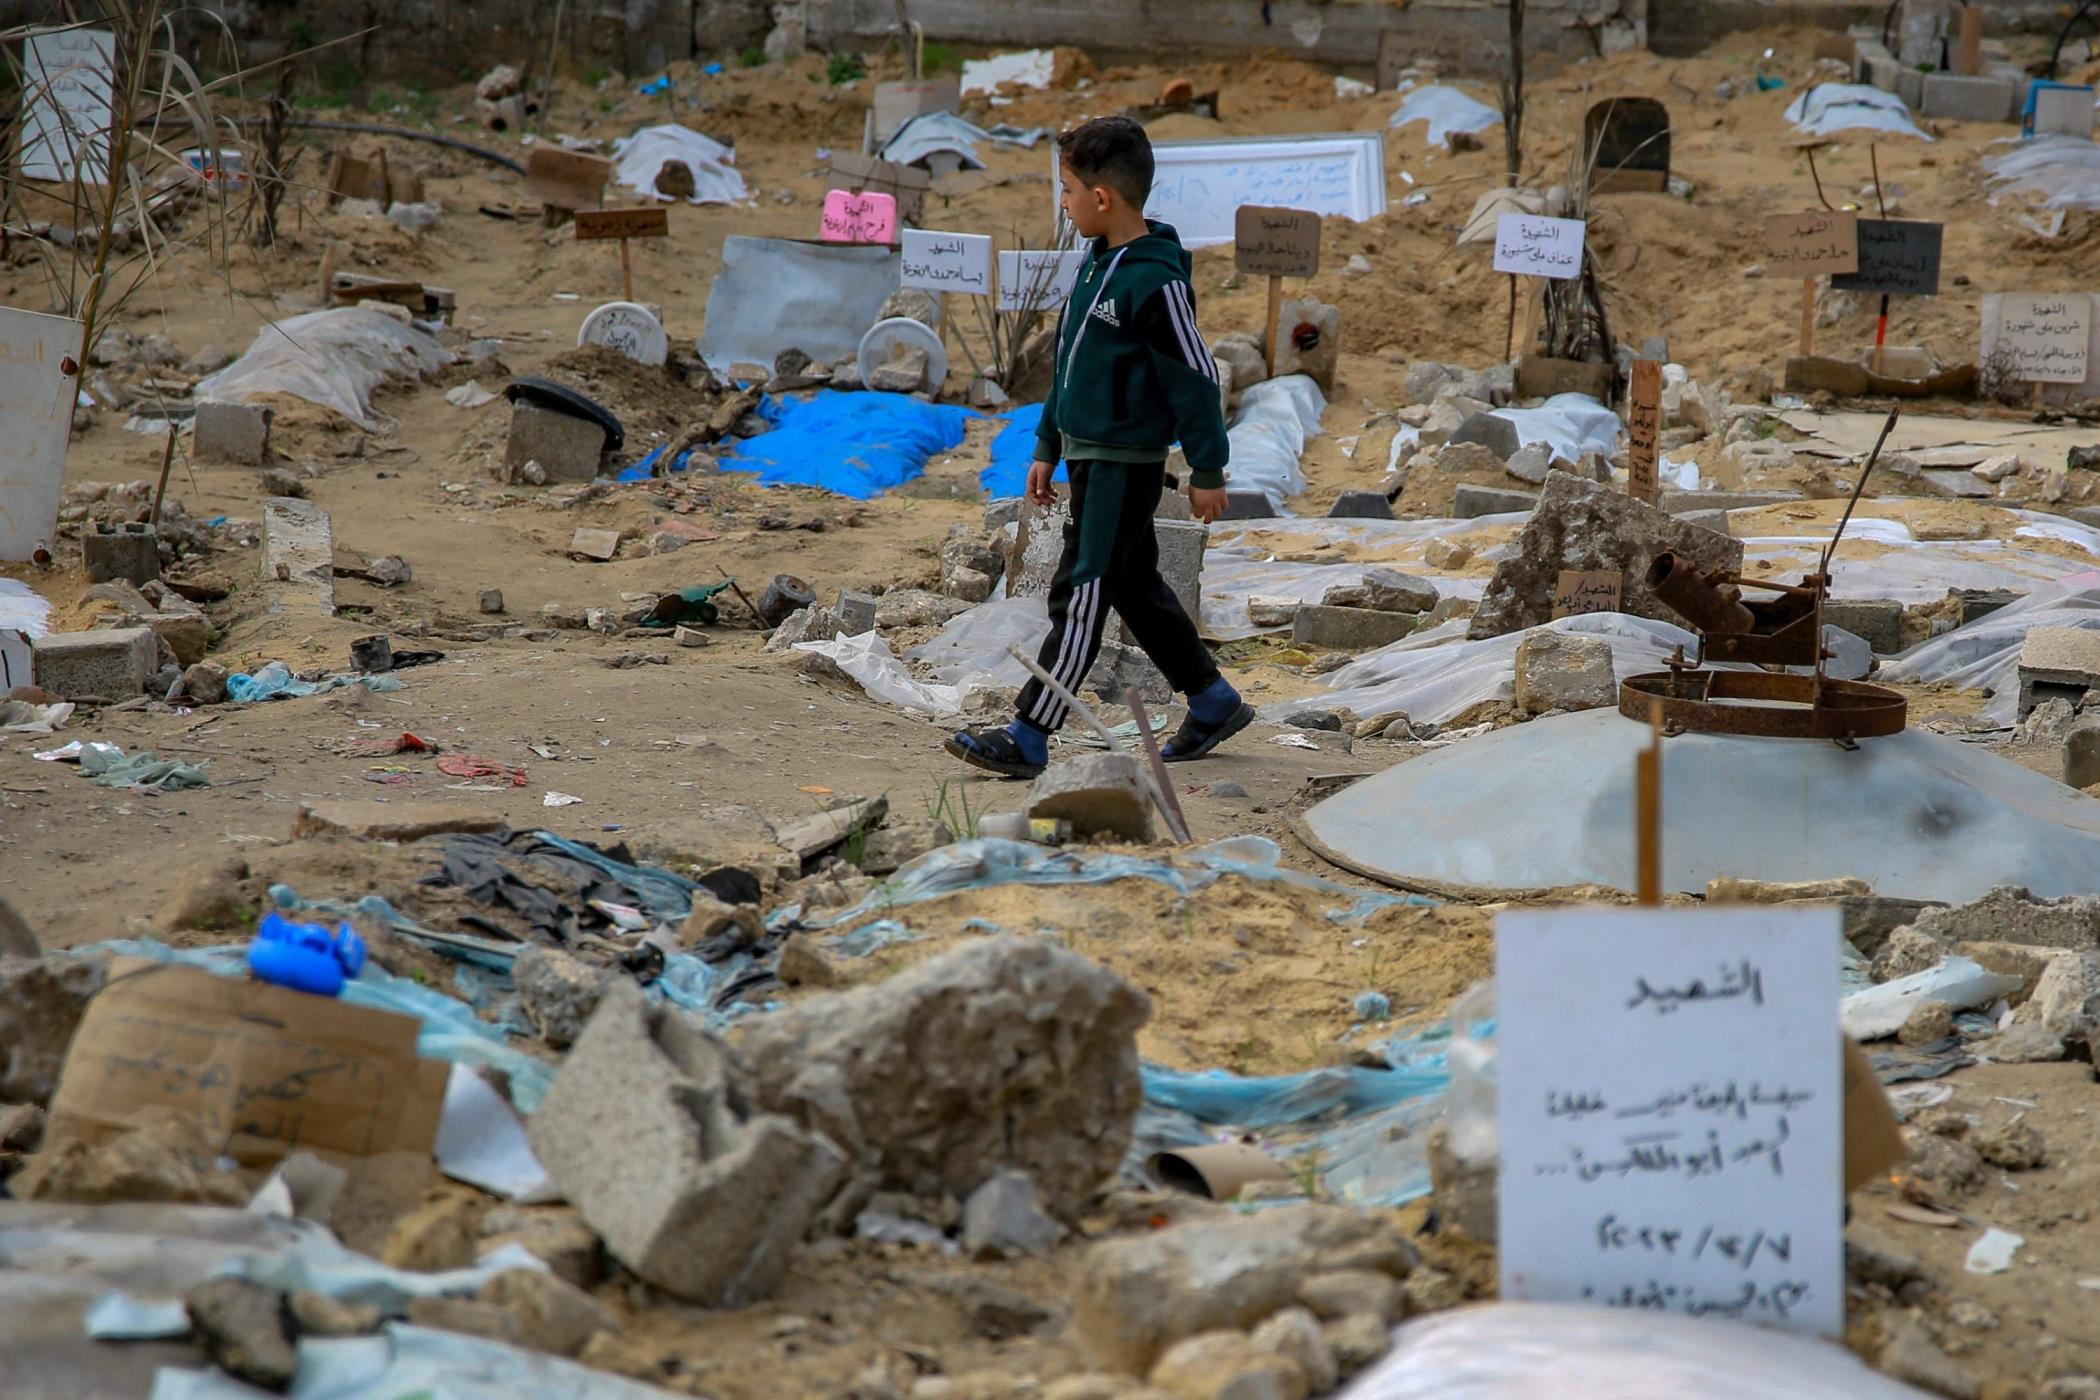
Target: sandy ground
<point>1246,976</point>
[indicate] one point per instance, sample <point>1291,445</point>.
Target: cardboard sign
<point>2046,339</point>
<point>1900,257</point>
<point>36,402</point>
<point>593,224</point>
<point>1643,430</point>
<point>2064,111</point>
<point>1580,592</point>
<point>1532,245</point>
<point>907,184</point>
<point>1670,1108</point>
<point>859,218</point>
<point>1041,280</point>
<point>1812,243</point>
<point>897,103</point>
<point>265,1070</point>
<point>1276,242</point>
<point>563,179</point>
<point>947,262</point>
<point>69,89</point>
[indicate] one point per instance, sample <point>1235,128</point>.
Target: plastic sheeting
<point>1985,655</point>
<point>1013,452</point>
<point>1828,108</point>
<point>776,294</point>
<point>1571,424</point>
<point>1030,68</point>
<point>857,445</point>
<point>638,159</point>
<point>275,681</point>
<point>415,1361</point>
<point>1901,566</point>
<point>1550,804</point>
<point>972,647</point>
<point>1446,110</point>
<point>869,662</point>
<point>2062,172</point>
<point>1546,1351</point>
<point>1438,675</point>
<point>334,358</point>
<point>933,132</point>
<point>1238,565</point>
<point>1276,419</point>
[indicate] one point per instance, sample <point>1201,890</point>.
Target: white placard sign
<point>628,327</point>
<point>1043,278</point>
<point>69,85</point>
<point>1670,1109</point>
<point>947,262</point>
<point>1532,245</point>
<point>36,403</point>
<point>2044,339</point>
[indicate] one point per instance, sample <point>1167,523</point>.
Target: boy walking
<point>1132,376</point>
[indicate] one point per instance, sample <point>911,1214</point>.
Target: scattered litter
<point>1446,110</point>
<point>334,358</point>
<point>1295,741</point>
<point>473,765</point>
<point>1993,1253</point>
<point>1031,68</point>
<point>481,1142</point>
<point>109,766</point>
<point>276,682</point>
<point>1881,1010</point>
<point>641,157</point>
<point>26,717</point>
<point>1828,108</point>
<point>559,799</point>
<point>469,395</point>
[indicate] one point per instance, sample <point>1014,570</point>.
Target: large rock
<point>2066,1000</point>
<point>648,1131</point>
<point>1581,525</point>
<point>41,1002</point>
<point>1140,1295</point>
<point>1098,793</point>
<point>1005,1052</point>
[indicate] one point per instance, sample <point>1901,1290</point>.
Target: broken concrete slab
<point>567,448</point>
<point>1492,431</point>
<point>1003,1220</point>
<point>594,544</point>
<point>1472,502</point>
<point>1564,671</point>
<point>298,556</point>
<point>1349,629</point>
<point>2066,1000</point>
<point>110,663</point>
<point>2058,663</point>
<point>1004,1052</point>
<point>2010,914</point>
<point>390,821</point>
<point>1389,590</point>
<point>1675,502</point>
<point>1876,621</point>
<point>232,432</point>
<point>1100,794</point>
<point>703,1198</point>
<point>1583,526</point>
<point>1361,505</point>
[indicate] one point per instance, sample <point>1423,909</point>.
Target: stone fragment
<point>557,990</point>
<point>438,1235</point>
<point>1139,1295</point>
<point>130,551</point>
<point>1001,1052</point>
<point>897,843</point>
<point>1295,1333</point>
<point>1344,1292</point>
<point>1906,951</point>
<point>1361,505</point>
<point>551,1314</point>
<point>1564,671</point>
<point>41,1002</point>
<point>318,1315</point>
<point>1099,793</point>
<point>1910,1355</point>
<point>492,601</point>
<point>1430,1290</point>
<point>594,544</point>
<point>1349,629</point>
<point>968,585</point>
<point>2066,1000</point>
<point>232,432</point>
<point>995,1313</point>
<point>915,607</point>
<point>2011,914</point>
<point>2015,1146</point>
<point>1001,1220</point>
<point>2022,960</point>
<point>903,373</point>
<point>1358,1340</point>
<point>815,623</point>
<point>566,447</point>
<point>1947,1165</point>
<point>113,663</point>
<point>21,1128</point>
<point>855,612</point>
<point>1227,1365</point>
<point>246,1329</point>
<point>1531,462</point>
<point>1583,526</point>
<point>1389,590</point>
<point>1442,553</point>
<point>704,1198</point>
<point>1928,1023</point>
<point>555,1235</point>
<point>2021,1044</point>
<point>389,821</point>
<point>1492,431</point>
<point>208,896</point>
<point>1473,502</point>
<point>167,1160</point>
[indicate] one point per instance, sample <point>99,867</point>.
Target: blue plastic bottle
<point>305,957</point>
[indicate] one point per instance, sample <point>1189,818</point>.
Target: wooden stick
<point>1275,320</point>
<point>1881,332</point>
<point>1808,317</point>
<point>1648,811</point>
<point>167,460</point>
<point>1080,707</point>
<point>1136,702</point>
<point>626,273</point>
<point>1968,49</point>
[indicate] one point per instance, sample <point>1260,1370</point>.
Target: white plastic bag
<point>334,358</point>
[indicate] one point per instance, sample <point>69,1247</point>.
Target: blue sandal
<point>995,751</point>
<point>1196,739</point>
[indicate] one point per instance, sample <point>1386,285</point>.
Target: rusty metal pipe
<point>1678,583</point>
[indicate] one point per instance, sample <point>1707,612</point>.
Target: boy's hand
<point>1039,489</point>
<point>1206,503</point>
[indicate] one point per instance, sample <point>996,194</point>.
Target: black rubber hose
<point>374,129</point>
<point>2056,54</point>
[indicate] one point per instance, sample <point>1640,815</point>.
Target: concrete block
<point>1684,502</point>
<point>1876,621</point>
<point>589,542</point>
<point>1954,97</point>
<point>856,612</point>
<point>1714,520</point>
<point>111,663</point>
<point>1349,629</point>
<point>130,552</point>
<point>566,447</point>
<point>1472,502</point>
<point>1564,671</point>
<point>1181,544</point>
<point>1982,602</point>
<point>1498,435</point>
<point>1040,537</point>
<point>1099,794</point>
<point>1248,505</point>
<point>1361,505</point>
<point>1910,86</point>
<point>2058,662</point>
<point>298,557</point>
<point>698,1200</point>
<point>232,432</point>
<point>1385,590</point>
<point>1119,667</point>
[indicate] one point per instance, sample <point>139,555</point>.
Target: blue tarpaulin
<point>1012,451</point>
<point>857,445</point>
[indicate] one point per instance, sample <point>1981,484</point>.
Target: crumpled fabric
<point>109,766</point>
<point>276,682</point>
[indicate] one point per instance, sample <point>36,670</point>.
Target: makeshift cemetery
<point>1202,701</point>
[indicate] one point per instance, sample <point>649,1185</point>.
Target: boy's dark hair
<point>1111,151</point>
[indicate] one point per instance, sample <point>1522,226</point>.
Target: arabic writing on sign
<point>1039,279</point>
<point>859,218</point>
<point>1580,592</point>
<point>1812,243</point>
<point>1742,979</point>
<point>1775,1302</point>
<point>1532,245</point>
<point>69,92</point>
<point>947,262</point>
<point>2044,339</point>
<point>1644,431</point>
<point>1276,242</point>
<point>1900,257</point>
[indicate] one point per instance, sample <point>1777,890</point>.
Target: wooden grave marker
<point>1275,243</point>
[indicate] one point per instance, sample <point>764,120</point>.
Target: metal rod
<point>734,587</point>
<point>1823,569</point>
<point>1159,765</point>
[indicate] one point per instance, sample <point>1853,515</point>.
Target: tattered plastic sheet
<point>933,132</point>
<point>421,1362</point>
<point>868,660</point>
<point>973,646</point>
<point>2062,172</point>
<point>1438,675</point>
<point>1446,110</point>
<point>1550,804</point>
<point>1828,108</point>
<point>334,358</point>
<point>1276,419</point>
<point>776,294</point>
<point>1871,1013</point>
<point>854,445</point>
<point>1571,424</point>
<point>640,157</point>
<point>1985,655</point>
<point>1895,563</point>
<point>275,681</point>
<point>106,765</point>
<point>1030,68</point>
<point>1534,1351</point>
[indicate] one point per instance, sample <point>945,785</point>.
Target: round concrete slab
<point>628,327</point>
<point>1550,803</point>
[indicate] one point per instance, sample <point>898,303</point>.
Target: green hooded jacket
<point>1134,375</point>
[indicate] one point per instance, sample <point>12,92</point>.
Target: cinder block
<point>1910,86</point>
<point>111,663</point>
<point>1349,629</point>
<point>232,432</point>
<point>1472,502</point>
<point>130,552</point>
<point>2058,662</point>
<point>1876,621</point>
<point>1099,793</point>
<point>566,447</point>
<point>1982,602</point>
<point>1361,505</point>
<point>1181,545</point>
<point>1964,99</point>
